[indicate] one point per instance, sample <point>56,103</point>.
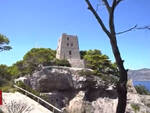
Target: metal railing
<point>53,107</point>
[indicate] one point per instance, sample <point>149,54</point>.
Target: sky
<point>39,23</point>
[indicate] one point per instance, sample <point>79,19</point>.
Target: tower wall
<point>68,47</point>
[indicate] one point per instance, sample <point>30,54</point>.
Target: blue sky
<point>39,23</point>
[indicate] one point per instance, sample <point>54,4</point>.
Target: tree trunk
<point>121,86</point>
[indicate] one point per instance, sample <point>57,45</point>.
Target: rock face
<point>79,105</point>
<point>145,99</point>
<point>62,79</point>
<point>74,93</point>
<point>139,75</point>
<point>62,84</point>
<point>48,80</point>
<point>108,105</point>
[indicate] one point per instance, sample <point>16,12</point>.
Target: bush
<point>142,90</point>
<point>22,85</point>
<point>107,78</point>
<point>86,73</point>
<point>18,107</point>
<point>8,89</point>
<point>64,62</point>
<point>135,107</point>
<point>31,60</point>
<point>100,62</point>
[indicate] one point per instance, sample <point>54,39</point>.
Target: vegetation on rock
<point>30,63</point>
<point>101,65</point>
<point>4,75</point>
<point>135,107</point>
<point>142,90</point>
<point>58,62</point>
<point>99,62</point>
<point>34,58</point>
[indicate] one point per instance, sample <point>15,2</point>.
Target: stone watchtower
<point>68,48</point>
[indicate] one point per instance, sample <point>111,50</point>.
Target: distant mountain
<point>139,75</point>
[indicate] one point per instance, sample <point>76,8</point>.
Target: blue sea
<point>144,83</point>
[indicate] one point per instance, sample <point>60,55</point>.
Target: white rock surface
<point>22,99</point>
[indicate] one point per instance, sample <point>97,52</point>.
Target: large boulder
<point>79,105</point>
<point>62,79</point>
<point>48,80</point>
<point>61,84</point>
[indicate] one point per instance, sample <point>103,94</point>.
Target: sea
<point>144,83</point>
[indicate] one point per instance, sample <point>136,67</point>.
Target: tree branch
<point>107,5</point>
<point>145,27</point>
<point>90,7</point>
<point>111,16</point>
<point>130,29</point>
<point>115,4</point>
<point>118,2</point>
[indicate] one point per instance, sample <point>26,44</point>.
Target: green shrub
<point>100,62</point>
<point>109,79</point>
<point>135,107</point>
<point>8,88</point>
<point>64,62</point>
<point>86,73</point>
<point>142,90</point>
<point>22,85</point>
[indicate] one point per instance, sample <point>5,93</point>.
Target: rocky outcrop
<point>76,93</point>
<point>145,99</point>
<point>79,105</point>
<point>48,80</point>
<point>131,89</point>
<point>61,84</point>
<point>106,104</point>
<point>62,79</point>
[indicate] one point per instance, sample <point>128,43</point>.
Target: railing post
<point>53,110</point>
<point>38,100</point>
